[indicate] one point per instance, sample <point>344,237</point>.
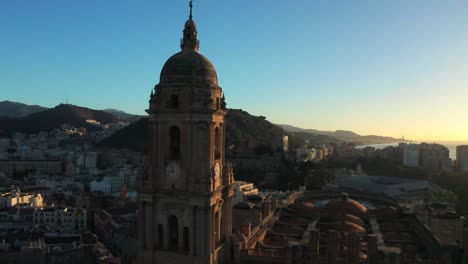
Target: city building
<point>103,186</point>
<point>462,158</point>
<point>185,193</point>
<point>333,227</point>
<point>116,228</point>
<point>434,157</point>
<point>87,160</point>
<point>241,190</point>
<point>411,155</point>
<point>285,143</point>
<point>10,167</point>
<point>69,220</point>
<point>108,185</point>
<point>128,175</point>
<point>398,188</point>
<point>184,197</point>
<point>16,198</point>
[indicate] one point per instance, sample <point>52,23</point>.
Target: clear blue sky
<point>393,67</point>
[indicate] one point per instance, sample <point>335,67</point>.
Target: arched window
<point>173,232</point>
<point>217,146</point>
<point>174,143</point>
<point>174,101</point>
<point>186,239</point>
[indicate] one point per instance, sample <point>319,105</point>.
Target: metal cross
<point>191,6</point>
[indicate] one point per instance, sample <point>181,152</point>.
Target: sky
<point>390,67</point>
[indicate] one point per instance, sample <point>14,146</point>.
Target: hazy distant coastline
<point>451,145</point>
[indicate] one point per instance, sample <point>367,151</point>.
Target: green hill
<point>15,110</point>
<point>245,134</point>
<point>54,117</point>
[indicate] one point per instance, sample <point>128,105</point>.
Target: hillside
<point>346,136</point>
<point>245,133</point>
<point>123,115</point>
<point>298,139</point>
<point>54,117</point>
<point>15,110</point>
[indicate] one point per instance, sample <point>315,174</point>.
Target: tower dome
<point>189,66</point>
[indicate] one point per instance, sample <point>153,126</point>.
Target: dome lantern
<point>188,66</point>
<point>189,40</point>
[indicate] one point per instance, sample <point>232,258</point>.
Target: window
<point>174,143</point>
<point>174,101</point>
<point>173,232</point>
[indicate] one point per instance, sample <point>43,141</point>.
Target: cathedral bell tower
<point>184,199</point>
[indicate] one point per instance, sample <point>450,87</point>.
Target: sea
<point>451,145</point>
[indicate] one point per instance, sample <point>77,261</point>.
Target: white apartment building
<point>241,190</point>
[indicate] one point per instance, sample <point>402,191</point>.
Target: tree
<point>441,195</point>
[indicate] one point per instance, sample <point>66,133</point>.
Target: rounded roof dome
<point>344,217</point>
<point>346,205</point>
<point>348,227</point>
<point>188,66</point>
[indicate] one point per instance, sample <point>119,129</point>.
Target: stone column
<point>148,225</point>
<point>237,253</point>
<point>141,226</point>
<point>193,232</point>
<point>353,248</point>
<point>228,217</point>
<point>291,254</point>
<point>180,233</point>
<point>167,239</point>
<point>332,246</point>
<point>299,258</point>
<point>394,258</point>
<point>314,244</point>
<point>372,248</point>
<point>156,242</point>
<point>389,255</point>
<point>211,235</point>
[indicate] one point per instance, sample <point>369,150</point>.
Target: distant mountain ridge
<point>245,130</point>
<point>54,117</point>
<point>345,135</point>
<point>124,115</point>
<point>14,109</point>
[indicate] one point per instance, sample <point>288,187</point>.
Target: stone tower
<point>184,199</point>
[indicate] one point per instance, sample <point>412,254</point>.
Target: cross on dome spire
<point>190,41</point>
<point>191,6</point>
